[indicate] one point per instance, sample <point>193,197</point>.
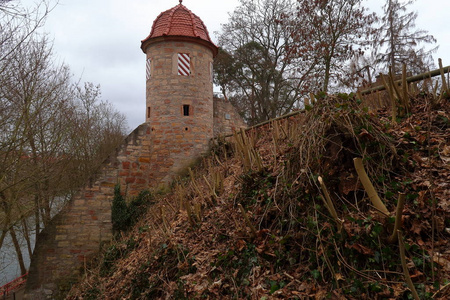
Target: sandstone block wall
<point>76,233</point>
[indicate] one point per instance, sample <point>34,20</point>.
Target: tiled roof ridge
<point>194,23</point>
<point>172,12</point>
<point>154,23</point>
<point>193,16</point>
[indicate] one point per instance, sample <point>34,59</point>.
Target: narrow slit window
<point>186,110</point>
<point>149,68</point>
<point>184,64</point>
<point>148,112</point>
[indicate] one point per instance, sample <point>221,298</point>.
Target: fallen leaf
<point>362,249</point>
<point>416,227</point>
<point>339,276</point>
<point>241,244</point>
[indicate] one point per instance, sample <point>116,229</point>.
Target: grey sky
<point>100,40</point>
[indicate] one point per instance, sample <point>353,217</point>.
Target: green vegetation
<point>124,216</point>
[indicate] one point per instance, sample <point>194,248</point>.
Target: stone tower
<point>179,90</point>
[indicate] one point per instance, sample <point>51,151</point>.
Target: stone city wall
<point>226,118</point>
<point>76,233</point>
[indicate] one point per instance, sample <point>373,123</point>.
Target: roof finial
<point>181,1</point>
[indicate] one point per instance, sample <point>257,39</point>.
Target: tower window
<point>149,68</point>
<point>186,110</point>
<point>148,112</point>
<point>184,64</point>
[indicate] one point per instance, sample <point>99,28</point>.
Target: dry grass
<point>249,221</point>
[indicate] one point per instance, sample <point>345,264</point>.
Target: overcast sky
<point>100,40</point>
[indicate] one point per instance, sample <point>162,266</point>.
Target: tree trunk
<point>26,234</point>
<point>392,38</point>
<point>37,214</point>
<point>46,202</point>
<point>23,269</point>
<point>5,208</point>
<point>326,80</point>
<point>2,236</point>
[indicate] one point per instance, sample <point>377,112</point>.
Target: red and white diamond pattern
<point>184,64</point>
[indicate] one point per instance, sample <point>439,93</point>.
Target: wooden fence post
<point>444,81</point>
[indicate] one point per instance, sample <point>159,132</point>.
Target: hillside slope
<point>251,221</point>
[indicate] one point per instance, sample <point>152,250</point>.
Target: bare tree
<point>272,56</point>
<point>403,44</point>
<point>18,24</point>
<point>50,127</point>
<point>263,76</point>
<point>331,33</point>
<point>97,129</point>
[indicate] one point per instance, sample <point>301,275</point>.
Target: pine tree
<point>400,41</point>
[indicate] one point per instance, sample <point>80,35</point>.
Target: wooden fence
<point>427,75</point>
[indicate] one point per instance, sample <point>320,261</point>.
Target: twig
<point>329,204</point>
<point>398,218</point>
<point>368,186</point>
<point>435,91</point>
<point>197,188</point>
<point>440,290</point>
<point>198,211</point>
<point>212,189</point>
<point>405,89</point>
<point>180,194</point>
<point>247,220</point>
<point>306,102</point>
<point>187,204</point>
<point>313,99</point>
<point>170,205</point>
<point>163,217</point>
<point>433,199</point>
<point>405,267</point>
<point>341,258</point>
<point>391,96</point>
<point>327,260</point>
<point>444,81</point>
<point>394,85</point>
<point>218,160</point>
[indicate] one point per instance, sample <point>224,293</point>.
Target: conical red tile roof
<point>182,23</point>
